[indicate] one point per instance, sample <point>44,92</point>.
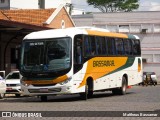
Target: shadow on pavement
<point>59,98</point>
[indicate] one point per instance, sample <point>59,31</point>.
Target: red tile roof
<point>27,16</point>
<point>2,16</point>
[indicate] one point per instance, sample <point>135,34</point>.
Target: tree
<point>114,5</point>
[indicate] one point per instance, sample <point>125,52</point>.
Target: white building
<point>144,24</point>
<point>31,4</point>
<point>77,11</point>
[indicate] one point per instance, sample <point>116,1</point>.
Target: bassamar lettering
<point>103,63</point>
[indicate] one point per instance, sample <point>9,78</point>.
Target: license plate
<point>9,88</point>
<point>44,90</point>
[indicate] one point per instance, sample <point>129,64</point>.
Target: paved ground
<point>138,98</point>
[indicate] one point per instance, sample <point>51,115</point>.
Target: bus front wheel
<point>84,95</point>
<point>88,90</point>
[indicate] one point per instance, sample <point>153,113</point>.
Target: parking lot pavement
<point>138,98</point>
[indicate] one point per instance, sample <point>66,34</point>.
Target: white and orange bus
<point>79,60</point>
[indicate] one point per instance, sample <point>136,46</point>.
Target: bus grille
<point>50,90</point>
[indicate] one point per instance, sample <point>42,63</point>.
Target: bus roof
<point>76,30</point>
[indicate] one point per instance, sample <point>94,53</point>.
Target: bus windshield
<point>46,55</point>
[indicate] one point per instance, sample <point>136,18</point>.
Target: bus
<point>79,60</point>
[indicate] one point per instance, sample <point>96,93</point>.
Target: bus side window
<point>93,45</point>
<point>131,45</point>
<point>104,46</point>
<point>127,47</point>
<point>87,45</point>
<point>90,46</point>
<point>111,46</point>
<point>99,45</point>
<point>119,46</point>
<point>136,47</point>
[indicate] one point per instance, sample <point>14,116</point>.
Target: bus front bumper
<point>49,90</point>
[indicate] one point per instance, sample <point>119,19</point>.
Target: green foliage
<point>114,5</point>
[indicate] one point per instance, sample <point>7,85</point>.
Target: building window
<point>127,47</point>
<point>124,28</point>
<point>2,1</point>
<point>63,24</point>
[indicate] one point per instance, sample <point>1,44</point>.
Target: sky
<point>145,5</point>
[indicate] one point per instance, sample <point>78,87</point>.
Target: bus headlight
<point>66,81</point>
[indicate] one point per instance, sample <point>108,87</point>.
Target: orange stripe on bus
<point>109,34</point>
<point>41,82</point>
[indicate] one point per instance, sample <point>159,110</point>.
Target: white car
<point>13,83</point>
<point>2,84</point>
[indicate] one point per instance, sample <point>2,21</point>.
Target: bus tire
<point>123,88</point>
<point>43,98</point>
<point>90,87</point>
<point>84,96</point>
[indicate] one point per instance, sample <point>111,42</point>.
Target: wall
<point>24,4</point>
<point>62,15</point>
<point>33,4</point>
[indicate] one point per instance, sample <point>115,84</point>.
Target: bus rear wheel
<point>122,89</point>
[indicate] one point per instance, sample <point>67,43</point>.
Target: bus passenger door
<point>78,58</point>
